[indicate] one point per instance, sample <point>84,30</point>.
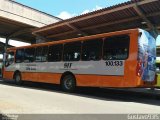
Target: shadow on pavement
<point>108,94</point>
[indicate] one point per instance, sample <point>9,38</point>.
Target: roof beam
<point>10,22</point>
<point>142,15</point>
<point>72,20</point>
<point>56,35</point>
<point>19,32</point>
<point>106,24</point>
<point>76,29</point>
<point>112,23</point>
<point>96,26</point>
<point>153,30</point>
<point>120,21</point>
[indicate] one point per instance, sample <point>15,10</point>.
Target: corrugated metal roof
<point>118,17</point>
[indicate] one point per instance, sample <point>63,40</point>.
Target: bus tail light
<point>139,70</point>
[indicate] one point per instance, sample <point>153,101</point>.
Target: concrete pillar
<point>5,49</point>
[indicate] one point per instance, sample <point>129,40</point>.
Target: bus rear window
<point>116,48</point>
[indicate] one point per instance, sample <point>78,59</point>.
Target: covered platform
<point>17,21</point>
<point>132,14</point>
<point>143,14</point>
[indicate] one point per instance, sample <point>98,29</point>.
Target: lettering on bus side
<point>67,65</point>
<point>114,63</point>
<point>30,67</point>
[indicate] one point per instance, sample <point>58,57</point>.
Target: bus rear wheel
<point>17,78</point>
<point>68,83</point>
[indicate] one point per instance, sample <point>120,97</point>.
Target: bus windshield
<point>9,59</point>
<point>147,56</point>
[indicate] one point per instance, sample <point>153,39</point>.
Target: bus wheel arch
<point>68,81</point>
<point>17,77</point>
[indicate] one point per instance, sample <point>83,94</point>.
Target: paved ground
<point>44,98</point>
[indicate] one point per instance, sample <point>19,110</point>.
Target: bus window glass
<point>72,51</point>
<point>38,54</point>
<point>41,54</point>
<point>55,53</point>
<point>116,48</point>
<point>9,58</point>
<point>29,55</point>
<point>19,56</point>
<point>92,50</point>
<point>44,54</point>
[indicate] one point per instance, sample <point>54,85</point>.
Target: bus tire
<point>68,83</point>
<point>17,78</point>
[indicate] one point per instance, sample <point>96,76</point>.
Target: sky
<point>69,8</point>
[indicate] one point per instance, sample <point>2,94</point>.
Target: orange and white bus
<point>116,59</point>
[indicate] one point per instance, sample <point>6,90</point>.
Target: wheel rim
<point>18,78</point>
<point>68,83</point>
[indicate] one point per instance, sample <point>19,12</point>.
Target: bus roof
<point>79,39</point>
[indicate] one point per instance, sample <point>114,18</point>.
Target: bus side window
<point>72,51</point>
<point>41,54</point>
<point>116,48</point>
<point>44,54</point>
<point>38,54</point>
<point>92,50</point>
<point>29,55</point>
<point>19,56</point>
<point>55,53</point>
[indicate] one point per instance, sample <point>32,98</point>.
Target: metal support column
<point>5,49</point>
<point>6,44</point>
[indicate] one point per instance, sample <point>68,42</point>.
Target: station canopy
<point>143,14</point>
<point>16,30</point>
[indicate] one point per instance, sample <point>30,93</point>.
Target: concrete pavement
<point>34,100</point>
